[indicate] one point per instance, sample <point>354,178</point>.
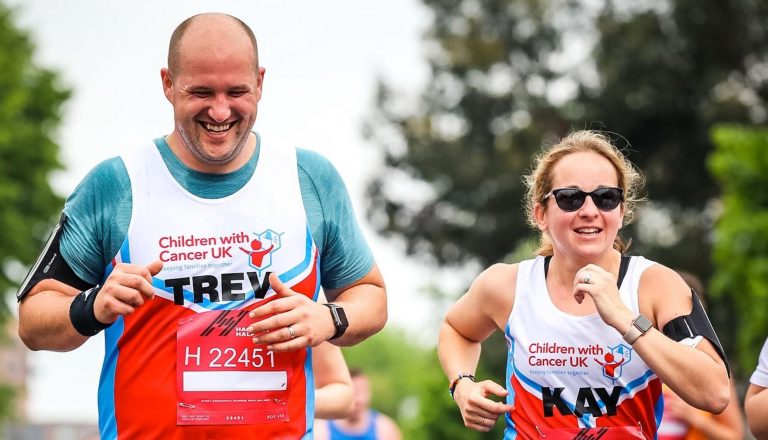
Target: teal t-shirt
<point>99,212</point>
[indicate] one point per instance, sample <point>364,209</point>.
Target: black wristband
<point>82,315</point>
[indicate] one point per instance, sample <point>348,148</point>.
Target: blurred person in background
<point>364,423</point>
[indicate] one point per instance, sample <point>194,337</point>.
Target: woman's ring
<point>586,279</point>
<point>290,330</point>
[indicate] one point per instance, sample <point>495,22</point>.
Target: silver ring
<point>586,279</point>
<point>290,330</point>
<point>483,422</point>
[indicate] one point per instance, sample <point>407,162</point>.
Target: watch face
<point>642,323</point>
<point>340,317</point>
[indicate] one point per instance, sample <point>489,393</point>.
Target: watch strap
<point>339,318</point>
<point>640,326</point>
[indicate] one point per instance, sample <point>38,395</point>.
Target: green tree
<point>30,110</point>
<point>740,165</point>
<point>480,117</point>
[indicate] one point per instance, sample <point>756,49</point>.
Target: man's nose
<point>220,109</point>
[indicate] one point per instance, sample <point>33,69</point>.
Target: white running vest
<point>163,377</point>
<point>567,371</point>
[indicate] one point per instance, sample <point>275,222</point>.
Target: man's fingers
<point>278,286</point>
<point>155,267</point>
<point>273,307</point>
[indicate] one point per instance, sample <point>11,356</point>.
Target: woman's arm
<point>483,309</point>
<point>697,374</point>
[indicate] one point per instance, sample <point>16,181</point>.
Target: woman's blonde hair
<point>539,181</point>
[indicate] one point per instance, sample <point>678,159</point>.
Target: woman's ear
<point>540,216</point>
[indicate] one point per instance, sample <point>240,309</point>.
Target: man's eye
<point>201,93</point>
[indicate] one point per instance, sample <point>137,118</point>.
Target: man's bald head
<point>208,21</point>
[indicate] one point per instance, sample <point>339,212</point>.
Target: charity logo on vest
<point>555,359</point>
<point>213,254</point>
<point>551,358</point>
<point>261,249</point>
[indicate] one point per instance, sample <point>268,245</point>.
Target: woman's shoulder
<point>498,273</point>
<point>664,291</point>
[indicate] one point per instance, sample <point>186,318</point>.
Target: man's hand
<point>290,321</point>
<point>126,289</point>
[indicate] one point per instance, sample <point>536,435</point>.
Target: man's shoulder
<point>108,180</point>
<point>106,175</point>
<point>318,175</point>
<point>314,164</point>
<point>108,169</point>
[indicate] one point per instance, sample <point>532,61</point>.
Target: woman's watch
<point>640,326</point>
<point>339,319</point>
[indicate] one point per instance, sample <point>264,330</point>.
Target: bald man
<point>203,339</point>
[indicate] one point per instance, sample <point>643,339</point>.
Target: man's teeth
<point>217,128</point>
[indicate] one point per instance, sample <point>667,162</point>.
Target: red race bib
<point>222,377</point>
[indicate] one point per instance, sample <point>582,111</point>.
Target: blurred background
<point>431,111</point>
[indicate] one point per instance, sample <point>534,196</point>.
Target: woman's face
<point>588,232</point>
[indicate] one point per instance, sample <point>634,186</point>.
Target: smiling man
<point>156,247</point>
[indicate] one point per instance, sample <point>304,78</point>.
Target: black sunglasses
<point>571,199</point>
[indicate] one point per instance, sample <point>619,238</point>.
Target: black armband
<point>82,315</point>
<point>51,265</point>
<point>693,325</point>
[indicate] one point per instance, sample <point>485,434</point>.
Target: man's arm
<point>365,304</point>
<point>48,320</point>
<point>44,322</point>
<point>293,321</point>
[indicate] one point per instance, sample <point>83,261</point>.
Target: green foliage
<point>30,110</point>
<point>394,365</point>
<point>409,385</point>
<point>8,394</point>
<point>740,165</point>
<point>471,136</point>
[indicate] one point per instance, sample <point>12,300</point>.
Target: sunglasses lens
<point>607,199</point>
<point>569,200</point>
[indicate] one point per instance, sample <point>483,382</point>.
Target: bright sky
<point>321,59</point>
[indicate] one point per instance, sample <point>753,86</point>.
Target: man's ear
<point>260,82</point>
<point>165,76</point>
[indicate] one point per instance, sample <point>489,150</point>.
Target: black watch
<point>339,319</point>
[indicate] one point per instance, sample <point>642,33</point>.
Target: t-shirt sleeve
<point>345,256</point>
<point>90,238</point>
<point>760,375</point>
